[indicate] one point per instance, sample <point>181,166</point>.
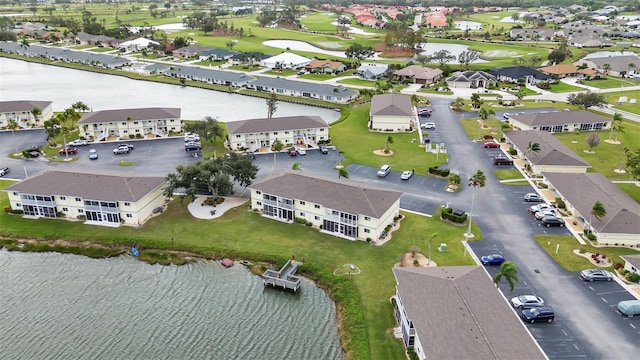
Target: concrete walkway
<point>207,212</point>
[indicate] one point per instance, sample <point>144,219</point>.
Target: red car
<point>68,150</point>
<point>491,145</point>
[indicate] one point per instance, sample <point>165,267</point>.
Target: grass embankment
<point>611,82</point>
<point>508,175</point>
<point>357,145</point>
<point>613,97</point>
<point>573,262</point>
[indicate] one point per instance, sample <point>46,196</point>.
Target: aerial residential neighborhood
<point>376,181</point>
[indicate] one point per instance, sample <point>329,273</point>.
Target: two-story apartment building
<point>22,112</point>
<point>254,134</point>
<point>130,123</point>
<point>107,200</point>
<point>337,207</point>
<point>391,112</point>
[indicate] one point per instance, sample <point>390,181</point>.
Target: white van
<point>384,171</point>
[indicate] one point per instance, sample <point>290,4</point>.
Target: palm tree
<point>606,68</point>
<point>13,125</point>
<point>433,236</point>
<point>617,118</point>
<point>598,211</point>
<point>533,146</point>
<point>484,116</point>
<point>36,112</point>
<point>509,271</point>
<point>386,146</point>
<point>296,166</point>
<point>619,129</point>
<point>277,147</point>
<point>477,180</point>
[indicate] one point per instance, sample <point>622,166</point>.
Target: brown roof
<point>88,186</point>
<point>552,151</point>
<point>583,190</point>
<point>134,114</point>
<point>458,313</point>
<point>560,69</point>
<point>560,118</point>
<point>391,104</point>
<point>337,194</point>
<point>419,72</point>
<point>22,105</point>
<point>322,63</point>
<point>275,124</point>
<point>632,259</point>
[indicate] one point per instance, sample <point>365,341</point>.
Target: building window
<point>367,218</point>
<point>15,194</point>
<point>78,199</point>
<point>172,120</point>
<point>259,203</point>
<point>367,231</point>
<point>238,136</point>
<point>316,217</point>
<point>63,198</point>
<point>129,216</point>
<point>275,133</point>
<point>65,209</point>
<point>127,204</point>
<point>18,205</point>
<point>135,123</point>
<point>286,132</point>
<point>124,123</point>
<point>316,206</point>
<point>80,211</point>
<point>302,203</point>
<point>302,214</point>
<point>258,192</point>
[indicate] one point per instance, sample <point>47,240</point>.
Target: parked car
<point>192,146</point>
<point>68,150</point>
<point>629,307</point>
<point>384,171</point>
<point>541,214</point>
<point>324,149</point>
<point>538,314</point>
<point>406,175</point>
<point>532,197</point>
<point>93,154</point>
<point>549,221</point>
<point>121,149</point>
<point>493,259</point>
<point>596,275</point>
<point>293,152</point>
<point>491,145</point>
<point>4,171</point>
<point>127,145</point>
<point>301,72</point>
<point>188,137</point>
<point>506,115</point>
<point>78,142</point>
<point>425,112</point>
<point>428,125</point>
<point>526,301</point>
<point>541,207</point>
<point>502,160</point>
<point>301,151</point>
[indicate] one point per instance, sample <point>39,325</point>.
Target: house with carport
<point>552,156</point>
<point>372,71</point>
<point>613,65</point>
<point>337,207</point>
<point>620,225</point>
<point>560,121</point>
<point>457,312</point>
<point>285,61</point>
<point>210,76</point>
<point>391,113</point>
<point>129,123</point>
<point>98,199</point>
<point>568,70</point>
<point>21,111</point>
<point>471,79</point>
<point>303,131</point>
<point>325,67</point>
<point>138,44</point>
<point>515,74</point>
<point>419,74</point>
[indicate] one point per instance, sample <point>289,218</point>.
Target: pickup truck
<point>502,160</point>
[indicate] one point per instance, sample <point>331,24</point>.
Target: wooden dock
<point>285,277</point>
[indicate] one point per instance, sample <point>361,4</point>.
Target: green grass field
<point>507,175</point>
<point>611,82</point>
<point>561,87</point>
<point>613,98</point>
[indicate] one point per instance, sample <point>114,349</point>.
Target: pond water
<point>60,306</point>
<point>455,49</point>
<point>471,25</point>
<point>600,54</point>
<point>23,80</point>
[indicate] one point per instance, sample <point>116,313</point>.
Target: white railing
<point>102,135</point>
<point>255,146</point>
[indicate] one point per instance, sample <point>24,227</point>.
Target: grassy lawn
<point>357,145</point>
<point>243,234</point>
<point>283,72</point>
<point>320,77</point>
<point>573,262</point>
<point>613,98</point>
<point>244,68</point>
<point>611,82</point>
<point>471,126</point>
<point>360,82</point>
<point>319,21</point>
<point>561,87</point>
<point>507,175</point>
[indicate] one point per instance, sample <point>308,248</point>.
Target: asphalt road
<point>586,324</point>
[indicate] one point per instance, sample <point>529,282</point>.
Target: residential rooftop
<point>552,151</point>
<point>129,114</point>
<point>391,105</point>
<point>275,124</point>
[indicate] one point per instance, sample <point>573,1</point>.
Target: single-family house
<point>325,92</point>
<point>560,121</point>
<point>391,112</point>
<point>614,65</point>
<point>581,41</point>
<point>631,263</point>
<point>24,114</point>
<point>435,20</point>
<point>108,200</point>
<point>568,70</point>
<point>247,58</point>
<point>255,134</point>
<point>542,34</point>
<point>83,38</point>
<point>471,79</point>
<point>325,67</point>
<point>130,123</point>
<point>553,154</point>
<point>285,61</point>
<point>515,74</point>
<point>138,44</point>
<point>337,207</point>
<point>456,312</point>
<point>620,225</point>
<point>216,54</point>
<point>189,51</point>
<point>419,74</point>
<point>372,71</point>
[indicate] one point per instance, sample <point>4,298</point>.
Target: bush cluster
<point>439,172</point>
<point>447,213</point>
<point>302,221</point>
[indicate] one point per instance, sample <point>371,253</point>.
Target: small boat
<point>226,262</point>
<point>135,251</point>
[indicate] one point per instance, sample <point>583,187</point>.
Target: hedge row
<point>447,213</point>
<point>439,172</point>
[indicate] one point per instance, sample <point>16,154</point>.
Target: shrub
<point>617,266</point>
<point>299,220</point>
<point>81,217</point>
<point>416,262</point>
<point>448,214</point>
<point>560,203</point>
<point>7,209</point>
<point>17,212</point>
<point>591,237</point>
<point>513,151</point>
<point>439,172</point>
<point>633,277</point>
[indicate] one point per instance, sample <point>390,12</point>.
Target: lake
<point>61,306</point>
<point>23,80</point>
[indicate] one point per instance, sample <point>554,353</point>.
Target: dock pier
<point>284,278</point>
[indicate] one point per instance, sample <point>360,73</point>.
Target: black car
<point>552,221</point>
<point>4,171</point>
<point>127,145</point>
<point>538,314</point>
<point>192,146</point>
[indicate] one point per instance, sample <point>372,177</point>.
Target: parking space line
<point>605,300</point>
<point>611,292</point>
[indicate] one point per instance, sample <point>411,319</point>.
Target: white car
<point>78,142</point>
<point>428,125</point>
<point>526,302</point>
<point>541,207</point>
<point>406,175</point>
<point>532,197</point>
<point>301,151</point>
<point>191,137</point>
<point>540,214</point>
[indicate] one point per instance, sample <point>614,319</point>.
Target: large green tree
<point>587,99</point>
<point>509,272</point>
<point>209,129</point>
<point>359,52</point>
<point>272,105</point>
<point>633,163</point>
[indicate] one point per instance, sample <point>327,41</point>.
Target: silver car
<point>526,301</point>
<point>93,154</point>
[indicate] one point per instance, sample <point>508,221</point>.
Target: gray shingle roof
<point>583,190</point>
<point>22,105</point>
<point>304,87</point>
<point>632,259</point>
<point>552,151</point>
<point>517,72</point>
<point>560,118</point>
<point>134,114</point>
<point>198,72</point>
<point>64,54</point>
<point>617,63</point>
<point>458,313</point>
<point>391,104</point>
<point>88,186</point>
<point>337,194</point>
<point>275,124</point>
